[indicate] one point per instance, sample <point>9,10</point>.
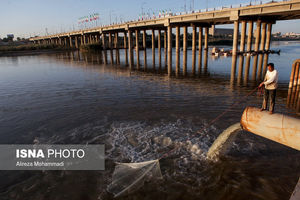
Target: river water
<point>71,98</point>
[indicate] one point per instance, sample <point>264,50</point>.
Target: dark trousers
<point>269,95</point>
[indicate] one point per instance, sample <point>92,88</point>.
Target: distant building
<point>220,31</point>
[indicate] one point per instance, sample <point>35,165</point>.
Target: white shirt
<point>271,80</point>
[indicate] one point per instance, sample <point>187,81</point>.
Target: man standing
<point>270,83</point>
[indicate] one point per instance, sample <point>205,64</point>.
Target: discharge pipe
<point>277,127</point>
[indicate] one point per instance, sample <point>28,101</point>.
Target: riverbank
<point>31,49</point>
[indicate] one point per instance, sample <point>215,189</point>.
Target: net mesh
<point>129,177</point>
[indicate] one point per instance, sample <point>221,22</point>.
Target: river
<point>71,98</point>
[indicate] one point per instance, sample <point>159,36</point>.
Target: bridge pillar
<point>243,36</point>
<point>254,68</point>
<point>153,48</point>
<point>110,48</point>
<point>169,50</point>
<point>206,39</point>
<point>65,42</point>
<point>177,50</point>
<point>235,37</point>
<point>257,34</point>
<point>145,49</point>
<point>130,49</point>
<point>194,50</point>
<point>234,50</point>
<point>269,34</point>
<point>263,36</point>
<point>137,49</point>
<point>184,67</point>
<point>262,48</point>
<point>165,47</point>
<point>125,48</point>
<point>159,48</point>
<point>250,33</point>
<point>117,48</point>
<point>104,48</point>
<point>200,49</point>
<point>81,40</point>
<point>71,41</point>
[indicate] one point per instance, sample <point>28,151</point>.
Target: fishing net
<point>129,177</point>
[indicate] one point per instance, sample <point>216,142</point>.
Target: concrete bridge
<point>264,15</point>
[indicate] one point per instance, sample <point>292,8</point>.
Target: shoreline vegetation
<point>32,49</point>
<point>29,49</point>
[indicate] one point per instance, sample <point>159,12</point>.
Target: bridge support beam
<point>257,35</point>
<point>194,50</point>
<point>145,49</point>
<point>117,48</point>
<point>177,71</point>
<point>263,36</point>
<point>206,39</point>
<point>137,49</point>
<point>110,48</point>
<point>71,41</point>
<point>268,39</point>
<point>159,48</point>
<point>184,67</point>
<point>250,33</point>
<point>243,36</point>
<point>200,49</point>
<point>169,51</point>
<point>130,49</point>
<point>125,48</point>
<point>165,48</point>
<point>104,48</point>
<point>235,37</point>
<point>153,48</point>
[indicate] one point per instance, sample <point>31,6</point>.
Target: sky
<point>26,18</point>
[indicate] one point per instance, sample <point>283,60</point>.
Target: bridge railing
<point>145,18</point>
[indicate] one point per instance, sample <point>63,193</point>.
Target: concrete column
<point>117,48</point>
<point>206,39</point>
<point>200,50</point>
<point>269,34</point>
<point>254,67</point>
<point>177,50</point>
<point>243,35</point>
<point>247,67</point>
<point>82,40</point>
<point>194,50</point>
<point>130,49</point>
<point>240,72</point>
<point>184,67</point>
<point>235,37</point>
<point>169,50</point>
<point>159,48</point>
<point>260,65</point>
<point>153,48</point>
<point>205,61</point>
<point>71,41</point>
<point>145,49</point>
<point>125,48</point>
<point>263,36</point>
<point>137,49</point>
<point>233,69</point>
<point>165,48</point>
<point>250,33</point>
<point>110,48</point>
<point>266,58</point>
<point>65,42</point>
<point>91,39</point>
<point>257,35</point>
<point>104,48</point>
